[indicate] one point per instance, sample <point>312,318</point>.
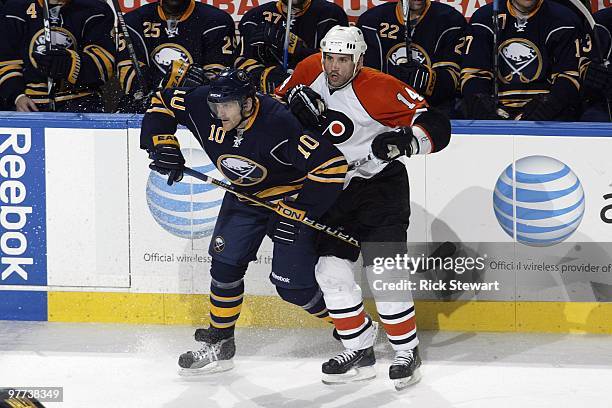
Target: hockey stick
<point>48,46</point>
<point>271,206</point>
<point>287,34</point>
<point>495,52</point>
<point>360,162</point>
<point>407,29</point>
<point>130,47</point>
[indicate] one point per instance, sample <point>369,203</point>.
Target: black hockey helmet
<point>231,85</point>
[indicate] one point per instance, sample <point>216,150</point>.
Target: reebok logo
<point>13,214</point>
<point>281,278</point>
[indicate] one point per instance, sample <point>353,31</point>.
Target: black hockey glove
<point>58,64</point>
<point>541,108</point>
<point>598,79</point>
<point>393,144</point>
<point>284,224</point>
<point>167,157</point>
<point>269,41</point>
<point>183,74</point>
<point>421,77</point>
<point>307,105</point>
<point>271,78</point>
<point>482,106</point>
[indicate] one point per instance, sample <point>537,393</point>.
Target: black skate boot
<point>350,366</point>
<point>216,353</point>
<point>404,369</point>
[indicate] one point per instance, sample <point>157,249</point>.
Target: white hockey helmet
<point>344,40</point>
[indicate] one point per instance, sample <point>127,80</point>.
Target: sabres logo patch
<point>397,54</point>
<point>520,61</point>
<point>240,170</point>
<point>163,55</point>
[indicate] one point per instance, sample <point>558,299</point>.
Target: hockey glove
<point>269,41</point>
<point>272,77</point>
<point>58,64</point>
<point>421,77</point>
<point>284,225</point>
<point>393,144</point>
<point>542,108</point>
<point>598,79</point>
<point>167,157</point>
<point>183,74</point>
<point>307,105</point>
<point>482,106</point>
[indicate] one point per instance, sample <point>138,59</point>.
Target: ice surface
<point>102,365</point>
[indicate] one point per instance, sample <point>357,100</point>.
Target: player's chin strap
<point>282,210</point>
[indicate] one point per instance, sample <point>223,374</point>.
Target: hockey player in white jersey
<point>365,112</point>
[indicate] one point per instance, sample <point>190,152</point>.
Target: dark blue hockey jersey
<point>539,54</point>
<point>271,158</point>
<point>436,41</point>
<point>603,19</point>
<point>310,24</point>
<point>204,35</point>
<point>84,26</point>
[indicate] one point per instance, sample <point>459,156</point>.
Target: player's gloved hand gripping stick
<point>282,208</point>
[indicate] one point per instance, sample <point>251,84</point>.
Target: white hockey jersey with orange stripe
<point>371,104</point>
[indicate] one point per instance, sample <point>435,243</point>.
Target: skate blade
<point>215,367</point>
<point>353,375</point>
<point>403,383</point>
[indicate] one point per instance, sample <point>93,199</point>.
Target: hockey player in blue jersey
<point>538,54</point>
<point>597,71</point>
<point>65,75</point>
<point>262,30</point>
<point>177,42</point>
<point>436,33</point>
<point>257,144</point>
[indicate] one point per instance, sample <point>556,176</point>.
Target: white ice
<point>126,366</point>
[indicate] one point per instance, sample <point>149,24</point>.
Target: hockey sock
<point>399,322</point>
<point>226,294</point>
<point>309,299</point>
<point>351,324</point>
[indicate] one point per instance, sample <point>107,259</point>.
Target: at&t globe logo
<point>187,209</point>
<point>549,202</point>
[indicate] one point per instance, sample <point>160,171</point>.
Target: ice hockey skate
<point>404,370</point>
<point>215,356</point>
<point>352,365</point>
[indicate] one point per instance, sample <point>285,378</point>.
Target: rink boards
<point>89,234</point>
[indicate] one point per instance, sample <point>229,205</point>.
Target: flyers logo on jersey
<point>240,170</point>
<point>338,127</point>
